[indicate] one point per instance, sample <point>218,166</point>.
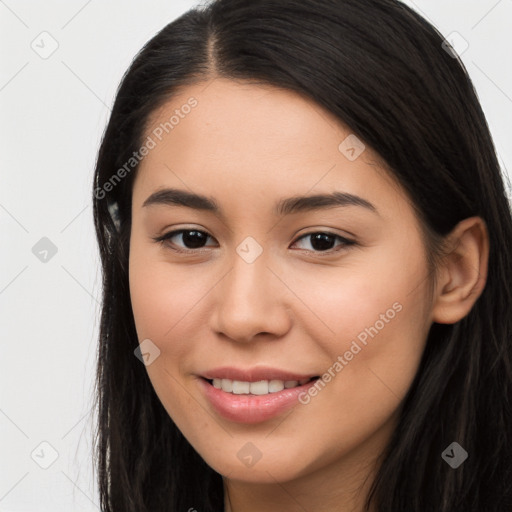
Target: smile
<point>262,387</point>
<point>253,396</point>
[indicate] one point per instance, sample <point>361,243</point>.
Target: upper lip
<point>254,374</point>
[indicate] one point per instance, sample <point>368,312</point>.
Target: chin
<point>266,470</point>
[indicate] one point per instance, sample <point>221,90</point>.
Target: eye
<point>321,241</point>
<point>194,239</point>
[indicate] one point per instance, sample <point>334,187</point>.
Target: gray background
<point>53,112</point>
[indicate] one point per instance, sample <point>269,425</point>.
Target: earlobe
<point>463,272</point>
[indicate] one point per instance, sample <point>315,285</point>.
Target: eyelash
<point>164,240</point>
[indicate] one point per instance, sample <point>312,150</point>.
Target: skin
<point>294,307</point>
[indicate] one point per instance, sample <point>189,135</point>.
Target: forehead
<point>234,137</point>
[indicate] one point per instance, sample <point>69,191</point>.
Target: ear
<point>463,273</point>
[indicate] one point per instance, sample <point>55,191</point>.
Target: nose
<point>251,301</point>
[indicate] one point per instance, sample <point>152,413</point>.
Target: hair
<point>382,70</point>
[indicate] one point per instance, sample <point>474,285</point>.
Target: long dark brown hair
<point>383,71</point>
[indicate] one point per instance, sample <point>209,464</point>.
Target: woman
<point>306,243</point>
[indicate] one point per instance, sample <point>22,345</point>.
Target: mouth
<point>258,388</point>
<point>253,401</point>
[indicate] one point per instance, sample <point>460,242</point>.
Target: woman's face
<point>265,283</point>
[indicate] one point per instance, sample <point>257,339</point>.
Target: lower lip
<point>252,408</point>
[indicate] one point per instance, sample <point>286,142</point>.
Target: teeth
<point>262,387</point>
<point>240,388</point>
<point>227,385</point>
<point>259,388</point>
<point>275,385</point>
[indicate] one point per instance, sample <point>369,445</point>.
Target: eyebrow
<point>288,206</point>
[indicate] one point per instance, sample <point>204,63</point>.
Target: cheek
<point>346,300</point>
<point>163,302</point>
<point>168,307</point>
<point>373,356</point>
<point>373,316</point>
<point>164,297</point>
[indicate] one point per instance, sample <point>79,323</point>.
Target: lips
<point>237,403</point>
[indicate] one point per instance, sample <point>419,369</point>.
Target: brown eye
<point>189,238</point>
<point>325,242</point>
